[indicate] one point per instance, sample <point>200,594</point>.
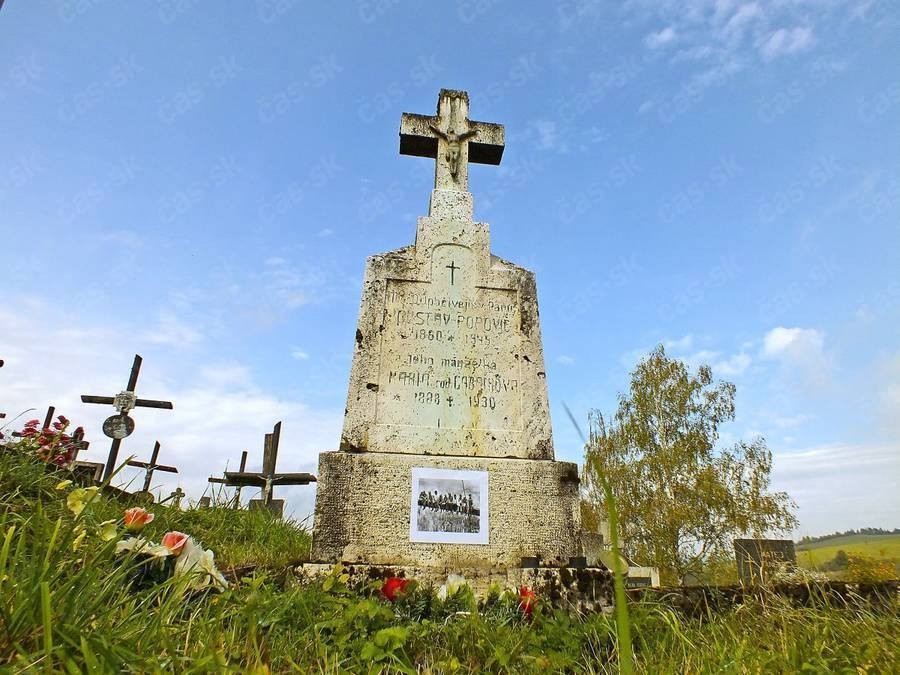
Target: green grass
<point>879,547</point>
<point>65,609</point>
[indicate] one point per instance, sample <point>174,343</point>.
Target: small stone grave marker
<point>757,559</point>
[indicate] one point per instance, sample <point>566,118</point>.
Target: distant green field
<point>884,546</point>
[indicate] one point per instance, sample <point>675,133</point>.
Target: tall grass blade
<point>623,622</point>
<point>46,619</point>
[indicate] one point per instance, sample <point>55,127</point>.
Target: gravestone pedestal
<point>446,458</point>
<point>364,515</point>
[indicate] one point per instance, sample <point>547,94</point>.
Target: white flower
<point>454,583</point>
<point>200,565</point>
<point>142,546</point>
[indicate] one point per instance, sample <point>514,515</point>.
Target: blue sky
<point>202,184</point>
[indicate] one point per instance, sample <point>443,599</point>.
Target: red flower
<point>174,541</point>
<point>137,518</point>
<point>32,423</point>
<point>394,587</point>
<point>63,420</point>
<point>527,600</point>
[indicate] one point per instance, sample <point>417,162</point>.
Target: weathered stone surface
<point>364,515</point>
<point>448,373</point>
<point>448,356</point>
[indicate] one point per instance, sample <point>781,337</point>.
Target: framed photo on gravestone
<point>449,506</point>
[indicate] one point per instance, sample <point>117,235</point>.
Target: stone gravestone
<point>446,457</point>
<point>757,559</point>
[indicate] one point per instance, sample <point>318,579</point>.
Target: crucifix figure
<point>150,467</point>
<point>236,501</point>
<point>267,479</point>
<point>119,426</point>
<point>452,139</point>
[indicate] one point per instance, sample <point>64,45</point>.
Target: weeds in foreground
<point>68,606</point>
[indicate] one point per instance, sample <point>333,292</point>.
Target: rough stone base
<point>363,512</point>
<point>582,589</point>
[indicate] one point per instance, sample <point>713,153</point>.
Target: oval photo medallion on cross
<point>118,426</point>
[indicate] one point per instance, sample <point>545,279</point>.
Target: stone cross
<point>124,401</point>
<point>267,479</point>
<point>151,466</point>
<point>452,139</point>
<point>224,481</point>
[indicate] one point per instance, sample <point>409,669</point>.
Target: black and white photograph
<point>449,506</point>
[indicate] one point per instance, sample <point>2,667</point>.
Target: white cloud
<point>299,354</point>
<point>170,330</point>
<point>888,386</point>
<point>660,38</point>
<point>795,343</point>
<point>548,135</point>
<point>838,487</point>
<point>680,344</point>
<point>791,421</point>
<point>565,360</point>
<point>734,365</point>
<point>801,351</point>
<point>219,409</point>
<point>786,41</point>
<point>326,232</point>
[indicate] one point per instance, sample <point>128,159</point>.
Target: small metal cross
<point>124,401</point>
<point>151,466</point>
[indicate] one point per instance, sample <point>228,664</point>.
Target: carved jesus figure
<point>454,145</point>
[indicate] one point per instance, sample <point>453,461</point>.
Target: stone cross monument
<point>446,456</point>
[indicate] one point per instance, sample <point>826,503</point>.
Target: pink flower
<point>527,600</point>
<point>174,541</point>
<point>136,519</point>
<point>394,587</point>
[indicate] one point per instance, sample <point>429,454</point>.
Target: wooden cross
<point>151,466</point>
<point>224,481</point>
<point>452,139</point>
<point>176,497</point>
<point>79,443</point>
<point>124,401</point>
<point>48,420</point>
<point>2,414</point>
<point>267,479</point>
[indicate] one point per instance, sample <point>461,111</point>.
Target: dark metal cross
<point>224,481</point>
<point>267,479</point>
<point>151,466</point>
<point>124,401</point>
<point>48,420</point>
<point>452,267</point>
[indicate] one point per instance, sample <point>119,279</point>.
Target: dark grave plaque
<point>759,558</point>
<point>118,426</point>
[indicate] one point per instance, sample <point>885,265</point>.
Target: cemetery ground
<point>70,604</point>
